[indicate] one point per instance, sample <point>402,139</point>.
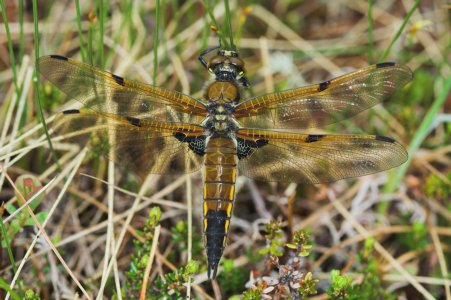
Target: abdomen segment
<point>219,193</point>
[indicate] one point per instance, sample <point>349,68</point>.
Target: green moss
<point>437,188</point>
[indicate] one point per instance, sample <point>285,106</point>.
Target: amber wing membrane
<point>325,103</point>
<point>139,145</point>
<point>105,92</point>
<point>139,126</point>
<point>304,158</point>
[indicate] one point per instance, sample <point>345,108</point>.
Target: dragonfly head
<point>227,66</point>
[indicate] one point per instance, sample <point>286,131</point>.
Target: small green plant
<point>339,285</point>
<point>301,240</point>
<point>179,234</point>
<point>370,285</point>
<point>255,292</point>
<point>232,279</point>
<point>31,295</point>
<point>140,254</point>
<point>289,281</point>
<point>417,238</point>
<point>28,186</point>
<point>273,239</point>
<point>173,284</point>
<point>436,188</point>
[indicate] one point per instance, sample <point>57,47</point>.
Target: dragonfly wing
<point>140,145</point>
<point>279,156</point>
<point>325,103</point>
<point>108,93</point>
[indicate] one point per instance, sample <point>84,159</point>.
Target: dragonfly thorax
<point>221,97</point>
<point>220,120</point>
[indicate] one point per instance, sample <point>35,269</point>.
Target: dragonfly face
<point>166,132</point>
<point>226,66</point>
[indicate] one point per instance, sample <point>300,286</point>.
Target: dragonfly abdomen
<point>219,193</point>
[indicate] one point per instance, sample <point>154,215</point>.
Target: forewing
<point>139,145</point>
<point>107,93</point>
<point>303,158</point>
<point>325,103</point>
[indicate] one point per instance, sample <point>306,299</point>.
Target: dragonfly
<point>162,131</point>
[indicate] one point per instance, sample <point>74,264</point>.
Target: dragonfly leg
<point>205,52</point>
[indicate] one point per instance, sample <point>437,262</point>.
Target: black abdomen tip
<point>215,235</point>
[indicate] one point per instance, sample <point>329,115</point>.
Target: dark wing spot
<point>60,57</point>
<point>384,139</point>
<point>246,147</point>
<point>119,80</point>
<point>367,145</point>
<point>71,111</point>
<point>323,85</point>
<point>314,138</point>
<point>134,121</point>
<point>180,136</point>
<point>385,64</point>
<point>195,143</point>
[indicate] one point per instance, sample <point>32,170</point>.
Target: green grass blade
<point>10,47</point>
<point>370,31</point>
<point>5,286</point>
<point>11,259</point>
<point>224,43</point>
<point>155,42</point>
<point>21,35</point>
<point>80,31</point>
<point>229,24</point>
<point>39,110</point>
<point>420,135</point>
<point>398,33</point>
<point>102,13</point>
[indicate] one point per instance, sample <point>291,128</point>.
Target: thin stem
<point>229,23</point>
<point>39,110</point>
<point>398,33</point>
<point>370,31</point>
<point>80,31</point>
<point>155,41</point>
<point>420,135</point>
<point>10,47</point>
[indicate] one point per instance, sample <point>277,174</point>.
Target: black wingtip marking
<point>323,85</point>
<point>134,121</point>
<point>385,64</point>
<point>71,111</point>
<point>60,57</point>
<point>119,80</point>
<point>314,138</point>
<point>384,139</point>
<point>180,136</point>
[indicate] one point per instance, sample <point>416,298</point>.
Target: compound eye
<point>236,61</point>
<point>215,60</point>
